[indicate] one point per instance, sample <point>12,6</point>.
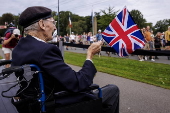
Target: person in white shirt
<point>72,38</point>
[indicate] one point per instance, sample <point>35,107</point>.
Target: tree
<point>138,18</point>
<point>106,18</point>
<point>88,23</point>
<point>78,27</point>
<point>97,14</point>
<point>161,25</point>
<point>54,13</point>
<point>7,17</point>
<point>78,23</point>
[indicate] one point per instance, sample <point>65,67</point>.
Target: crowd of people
<point>85,38</point>
<point>159,41</point>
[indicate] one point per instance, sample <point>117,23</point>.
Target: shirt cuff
<point>90,60</point>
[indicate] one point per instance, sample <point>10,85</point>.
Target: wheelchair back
<point>92,106</point>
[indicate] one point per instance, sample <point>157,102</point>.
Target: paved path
<point>136,97</point>
<point>2,54</point>
<point>5,103</point>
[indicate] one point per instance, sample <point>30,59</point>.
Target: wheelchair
<point>90,106</point>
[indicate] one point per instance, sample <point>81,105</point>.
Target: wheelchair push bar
<point>6,72</point>
<point>27,78</point>
<point>4,62</point>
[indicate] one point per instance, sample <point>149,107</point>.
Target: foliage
<point>77,27</point>
<point>138,18</point>
<point>84,24</point>
<point>79,24</point>
<point>88,23</point>
<point>63,22</point>
<point>97,14</point>
<point>107,16</point>
<point>147,72</point>
<point>162,25</point>
<point>8,17</point>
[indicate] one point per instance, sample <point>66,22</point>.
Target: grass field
<point>1,47</point>
<point>148,72</point>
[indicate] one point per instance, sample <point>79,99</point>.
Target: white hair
<point>32,27</point>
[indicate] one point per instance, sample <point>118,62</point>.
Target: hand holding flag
<point>93,49</point>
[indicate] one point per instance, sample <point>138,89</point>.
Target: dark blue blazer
<point>58,76</point>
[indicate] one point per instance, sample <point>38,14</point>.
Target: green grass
<point>148,72</point>
<point>0,48</point>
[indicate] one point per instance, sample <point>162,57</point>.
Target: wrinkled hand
<point>93,49</point>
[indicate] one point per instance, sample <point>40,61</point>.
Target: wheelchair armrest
<point>62,93</point>
<point>4,62</point>
<point>93,86</point>
<point>12,69</point>
<point>66,93</point>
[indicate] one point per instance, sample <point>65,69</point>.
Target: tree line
<point>82,24</point>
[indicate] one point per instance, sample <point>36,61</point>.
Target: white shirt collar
<point>38,39</point>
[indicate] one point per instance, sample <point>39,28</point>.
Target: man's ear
<point>41,24</point>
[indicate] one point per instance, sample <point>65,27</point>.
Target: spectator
<point>157,43</point>
<point>84,38</point>
<point>91,38</point>
<point>99,35</point>
<point>39,25</point>
<point>77,38</point>
<point>141,56</point>
<point>88,39</point>
<point>149,41</point>
<point>163,42</point>
<point>67,40</point>
<point>10,41</point>
<point>167,38</point>
<point>62,39</point>
<point>72,38</point>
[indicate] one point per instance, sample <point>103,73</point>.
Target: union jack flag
<point>123,34</point>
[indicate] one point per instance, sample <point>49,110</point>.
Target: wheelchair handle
<point>91,87</point>
<point>62,93</point>
<point>12,69</point>
<point>4,62</point>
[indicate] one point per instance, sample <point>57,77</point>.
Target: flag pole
<point>92,22</point>
<point>70,30</point>
<point>58,20</point>
<point>70,23</point>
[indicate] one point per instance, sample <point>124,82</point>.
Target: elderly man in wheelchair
<point>49,85</point>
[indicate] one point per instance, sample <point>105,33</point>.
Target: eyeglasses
<point>54,22</point>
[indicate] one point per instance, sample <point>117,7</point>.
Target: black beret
<point>34,14</point>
